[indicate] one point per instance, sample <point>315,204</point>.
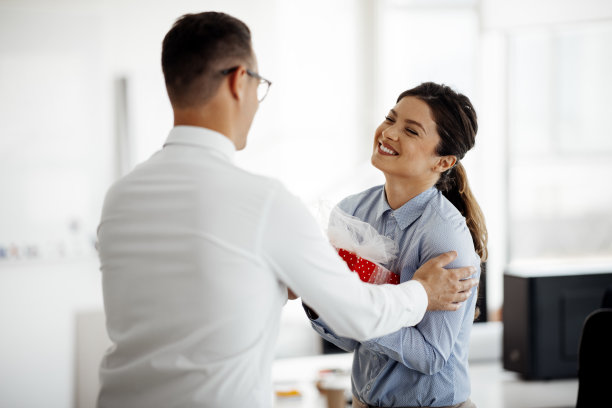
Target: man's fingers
<point>451,307</point>
<point>455,302</point>
<point>463,273</point>
<point>463,292</point>
<point>446,288</point>
<point>463,296</point>
<point>445,258</point>
<point>464,286</point>
<point>467,284</point>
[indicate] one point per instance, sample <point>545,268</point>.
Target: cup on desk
<point>334,390</point>
<point>335,398</point>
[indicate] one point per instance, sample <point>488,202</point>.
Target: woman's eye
<point>411,131</point>
<point>388,119</point>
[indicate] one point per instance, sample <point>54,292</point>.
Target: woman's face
<point>405,143</point>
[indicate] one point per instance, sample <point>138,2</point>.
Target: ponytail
<point>454,186</point>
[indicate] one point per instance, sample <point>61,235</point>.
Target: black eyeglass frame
<point>252,74</point>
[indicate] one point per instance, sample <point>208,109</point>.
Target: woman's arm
<point>325,332</point>
<point>428,346</point>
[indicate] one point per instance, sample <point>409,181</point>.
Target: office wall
<point>55,158</point>
<point>503,15</point>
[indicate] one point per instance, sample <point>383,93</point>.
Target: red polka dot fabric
<point>368,271</point>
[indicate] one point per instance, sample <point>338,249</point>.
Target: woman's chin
<point>376,162</point>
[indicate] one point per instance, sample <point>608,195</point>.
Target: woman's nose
<point>389,133</point>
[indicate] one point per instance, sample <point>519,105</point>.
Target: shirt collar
<point>409,212</point>
<point>381,206</point>
<point>204,138</point>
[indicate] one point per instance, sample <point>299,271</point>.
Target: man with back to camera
<point>197,255</point>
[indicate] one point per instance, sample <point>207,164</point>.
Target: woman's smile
<point>386,150</point>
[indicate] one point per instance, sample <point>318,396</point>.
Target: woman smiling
<point>427,208</point>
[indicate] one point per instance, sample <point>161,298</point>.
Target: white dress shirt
<point>196,256</point>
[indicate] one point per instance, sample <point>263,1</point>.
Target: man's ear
<point>237,82</point>
<point>444,163</point>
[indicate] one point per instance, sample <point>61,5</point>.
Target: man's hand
<point>445,288</point>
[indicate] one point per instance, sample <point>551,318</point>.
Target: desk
<point>301,373</point>
<point>492,387</point>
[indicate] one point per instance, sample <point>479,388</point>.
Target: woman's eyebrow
<point>413,122</point>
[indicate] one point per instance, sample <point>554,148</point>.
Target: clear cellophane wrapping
<point>362,247</point>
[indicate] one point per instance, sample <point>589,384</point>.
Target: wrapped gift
<point>362,248</point>
<point>368,271</point>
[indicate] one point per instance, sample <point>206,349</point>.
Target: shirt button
<point>368,387</point>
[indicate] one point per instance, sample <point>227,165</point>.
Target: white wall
<point>38,306</point>
<point>503,14</point>
<point>54,158</point>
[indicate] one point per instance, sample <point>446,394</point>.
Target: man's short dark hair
<point>196,49</point>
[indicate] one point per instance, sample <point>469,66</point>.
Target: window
<point>559,95</point>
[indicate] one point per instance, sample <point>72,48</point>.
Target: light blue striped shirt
<point>425,365</point>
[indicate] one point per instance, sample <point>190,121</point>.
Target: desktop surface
<point>492,386</point>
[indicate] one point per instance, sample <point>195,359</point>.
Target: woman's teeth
<point>387,150</point>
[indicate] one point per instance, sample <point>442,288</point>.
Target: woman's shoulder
<point>443,228</point>
<point>352,202</point>
<point>442,221</point>
<point>441,210</point>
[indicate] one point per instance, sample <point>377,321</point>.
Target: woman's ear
<point>444,163</point>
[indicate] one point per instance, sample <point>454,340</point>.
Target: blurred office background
<point>82,101</point>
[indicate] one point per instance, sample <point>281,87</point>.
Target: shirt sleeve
<point>344,343</point>
<point>294,247</point>
<point>427,347</point>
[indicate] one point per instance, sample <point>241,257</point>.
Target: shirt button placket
<point>390,226</point>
